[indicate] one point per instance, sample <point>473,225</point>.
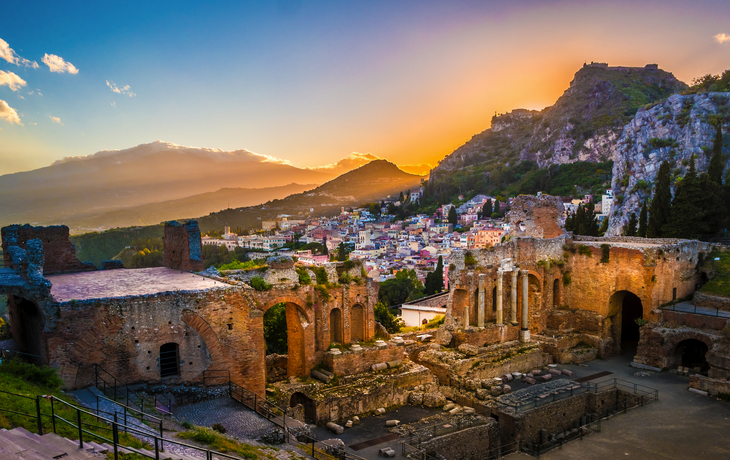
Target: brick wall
<point>712,386</point>
<point>59,252</point>
<point>463,444</point>
<point>354,362</point>
<point>182,246</point>
<point>694,321</point>
<point>711,301</point>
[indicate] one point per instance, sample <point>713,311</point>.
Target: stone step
<point>21,441</point>
<point>69,446</point>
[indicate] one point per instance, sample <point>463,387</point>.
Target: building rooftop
<point>125,282</point>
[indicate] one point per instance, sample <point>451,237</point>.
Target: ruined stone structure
<point>536,216</point>
<point>585,290</point>
<point>129,321</point>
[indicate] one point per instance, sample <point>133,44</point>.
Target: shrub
<point>566,279</point>
<point>218,427</point>
<point>345,278</point>
<point>605,253</point>
<point>44,376</point>
<point>259,284</point>
<point>349,264</point>
<point>4,330</point>
<point>187,425</point>
<point>469,259</point>
<point>321,275</point>
<point>304,277</point>
<point>585,250</point>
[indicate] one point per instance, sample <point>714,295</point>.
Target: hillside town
<point>386,245</point>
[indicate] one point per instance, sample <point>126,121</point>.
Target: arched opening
<point>296,323</point>
<point>335,325</point>
<point>26,325</point>
<point>275,330</point>
<point>556,293</point>
<point>169,360</point>
<point>357,323</point>
<point>310,410</point>
<point>691,353</point>
<point>624,309</point>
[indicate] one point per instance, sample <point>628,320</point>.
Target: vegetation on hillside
<point>95,247</point>
<point>275,331</point>
<point>710,83</point>
<point>720,282</point>
<point>142,253</point>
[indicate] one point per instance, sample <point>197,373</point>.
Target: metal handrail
<point>117,384</point>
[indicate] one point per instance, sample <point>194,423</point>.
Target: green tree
<point>713,205</point>
<point>604,227</point>
<point>389,321</point>
<point>496,207</point>
<point>275,332</point>
<point>435,279</point>
<point>401,198</point>
<point>452,215</point>
<point>661,203</point>
<point>642,222</point>
<point>341,252</point>
<point>630,227</point>
<point>570,222</point>
<point>487,208</point>
<point>686,215</point>
<point>717,165</point>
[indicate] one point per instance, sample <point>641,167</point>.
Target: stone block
<point>536,372</point>
<point>546,377</point>
<point>507,389</point>
<point>567,372</point>
<point>469,410</point>
<point>449,406</point>
<point>392,423</point>
<point>335,428</point>
<point>386,452</point>
<point>380,411</point>
<point>356,420</point>
<point>507,378</point>
<point>434,399</point>
<point>415,398</point>
<point>348,424</point>
<point>455,410</point>
<point>482,393</point>
<point>496,391</point>
<point>379,367</point>
<point>555,372</point>
<point>530,380</point>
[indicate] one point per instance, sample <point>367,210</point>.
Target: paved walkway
<point>680,425</point>
<point>688,307</point>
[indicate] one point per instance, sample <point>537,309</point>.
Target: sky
<point>311,82</point>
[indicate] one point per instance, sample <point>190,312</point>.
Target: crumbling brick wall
<point>182,246</point>
<point>59,252</point>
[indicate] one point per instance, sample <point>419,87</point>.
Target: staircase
<point>21,444</point>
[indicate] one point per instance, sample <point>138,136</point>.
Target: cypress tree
<point>661,203</point>
<point>686,216</point>
<point>642,222</point>
<point>604,227</point>
<point>717,166</point>
<point>452,215</point>
<point>438,276</point>
<point>713,204</point>
<point>569,222</point>
<point>496,206</point>
<point>487,208</point>
<point>580,222</point>
<point>630,227</point>
<point>400,197</point>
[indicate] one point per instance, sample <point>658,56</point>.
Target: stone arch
<point>336,326</point>
<point>209,336</point>
<point>299,328</point>
<point>27,322</point>
<point>88,347</point>
<point>357,323</point>
<point>673,346</point>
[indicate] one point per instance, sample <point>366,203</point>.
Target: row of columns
<point>481,301</point>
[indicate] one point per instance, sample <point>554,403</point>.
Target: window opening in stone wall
<point>494,299</point>
<point>336,325</point>
<point>275,330</point>
<point>169,360</point>
<point>556,293</point>
<point>674,294</point>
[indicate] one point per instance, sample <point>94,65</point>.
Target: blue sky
<point>312,81</point>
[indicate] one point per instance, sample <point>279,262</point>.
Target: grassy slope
<point>720,283</point>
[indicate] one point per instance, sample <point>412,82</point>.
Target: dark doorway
<point>310,411</point>
<point>26,325</point>
<point>556,293</point>
<point>169,360</point>
<point>494,299</point>
<point>275,330</point>
<point>631,310</point>
<point>336,325</point>
<point>691,353</point>
<point>357,323</point>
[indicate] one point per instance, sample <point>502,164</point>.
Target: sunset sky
<point>313,81</point>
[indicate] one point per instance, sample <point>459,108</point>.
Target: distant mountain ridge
<point>583,125</point>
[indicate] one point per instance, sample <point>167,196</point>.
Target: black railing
<point>111,424</point>
<point>119,392</point>
<point>706,311</point>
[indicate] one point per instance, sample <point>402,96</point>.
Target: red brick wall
<point>355,362</point>
<point>182,246</point>
<point>59,252</point>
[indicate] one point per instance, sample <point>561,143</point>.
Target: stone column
<point>514,297</point>
<point>482,295</point>
<point>524,330</point>
<point>499,296</point>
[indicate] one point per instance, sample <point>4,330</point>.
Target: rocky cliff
<point>583,125</point>
<point>672,130</point>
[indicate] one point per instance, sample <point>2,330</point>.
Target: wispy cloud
<point>114,104</point>
<point>8,113</point>
<point>56,120</point>
<point>58,64</point>
<point>123,90</point>
<point>7,53</point>
<point>13,81</point>
<point>722,38</point>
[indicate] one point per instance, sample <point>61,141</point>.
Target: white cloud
<point>114,104</point>
<point>58,64</point>
<point>8,113</point>
<point>13,81</point>
<point>20,96</point>
<point>123,90</point>
<point>7,53</point>
<point>722,38</point>
<point>56,120</point>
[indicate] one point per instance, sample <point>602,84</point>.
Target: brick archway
<point>209,336</point>
<point>288,300</point>
<point>671,343</point>
<point>300,333</point>
<point>88,348</point>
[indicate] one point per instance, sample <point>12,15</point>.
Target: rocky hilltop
<point>672,130</point>
<point>583,125</point>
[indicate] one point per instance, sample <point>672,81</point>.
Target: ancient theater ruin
<point>516,314</point>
